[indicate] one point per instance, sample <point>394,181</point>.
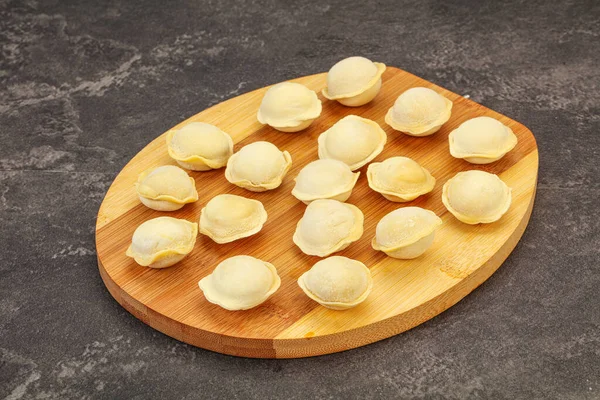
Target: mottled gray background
<point>84,86</point>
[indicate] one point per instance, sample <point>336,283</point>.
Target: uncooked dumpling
<point>328,226</point>
<point>289,107</point>
<point>353,140</point>
<point>476,197</point>
<point>337,282</point>
<point>325,179</point>
<point>481,140</point>
<point>400,179</point>
<point>419,112</point>
<point>354,81</point>
<point>228,217</point>
<point>406,233</point>
<point>162,242</point>
<point>258,166</point>
<point>240,283</point>
<point>199,146</point>
<point>166,188</point>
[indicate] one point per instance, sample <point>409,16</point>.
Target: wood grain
<point>289,324</point>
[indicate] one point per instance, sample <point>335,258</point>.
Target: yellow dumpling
<point>354,81</point>
<point>328,226</point>
<point>240,283</point>
<point>481,140</point>
<point>228,217</point>
<point>258,167</point>
<point>166,188</point>
<point>400,179</point>
<point>325,179</point>
<point>338,283</point>
<point>289,107</point>
<point>199,146</point>
<point>353,140</point>
<point>419,111</point>
<point>475,197</point>
<point>162,242</point>
<point>406,233</point>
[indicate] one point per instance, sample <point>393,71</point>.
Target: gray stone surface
<point>84,85</point>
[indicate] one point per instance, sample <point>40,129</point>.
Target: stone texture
<point>85,85</point>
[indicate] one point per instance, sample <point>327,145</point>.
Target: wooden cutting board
<point>289,324</point>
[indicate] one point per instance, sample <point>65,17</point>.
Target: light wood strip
<point>401,285</point>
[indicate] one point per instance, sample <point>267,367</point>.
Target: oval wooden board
<point>289,324</point>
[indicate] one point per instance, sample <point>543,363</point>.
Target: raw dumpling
<point>419,112</point>
<point>476,197</point>
<point>400,179</point>
<point>199,146</point>
<point>228,217</point>
<point>353,140</point>
<point>328,226</point>
<point>166,188</point>
<point>240,283</point>
<point>337,282</point>
<point>258,167</point>
<point>162,242</point>
<point>289,107</point>
<point>325,179</point>
<point>406,233</point>
<point>481,140</point>
<point>354,81</point>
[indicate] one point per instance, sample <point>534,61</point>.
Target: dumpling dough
<point>406,233</point>
<point>289,107</point>
<point>353,140</point>
<point>258,167</point>
<point>419,112</point>
<point>328,226</point>
<point>162,242</point>
<point>481,140</point>
<point>354,81</point>
<point>400,179</point>
<point>199,146</point>
<point>325,179</point>
<point>475,197</point>
<point>240,283</point>
<point>228,217</point>
<point>166,188</point>
<point>337,282</point>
